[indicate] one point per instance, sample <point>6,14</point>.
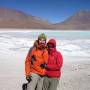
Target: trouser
<point>50,83</point>
<point>36,83</point>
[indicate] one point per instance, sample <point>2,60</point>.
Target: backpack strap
<point>30,50</point>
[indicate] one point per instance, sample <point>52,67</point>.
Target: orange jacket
<point>41,57</point>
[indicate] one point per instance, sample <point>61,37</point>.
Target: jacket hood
<point>52,41</point>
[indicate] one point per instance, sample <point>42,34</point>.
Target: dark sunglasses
<point>51,46</point>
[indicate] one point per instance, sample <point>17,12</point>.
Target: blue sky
<point>52,10</point>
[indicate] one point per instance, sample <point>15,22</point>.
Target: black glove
<point>43,66</point>
<point>29,78</point>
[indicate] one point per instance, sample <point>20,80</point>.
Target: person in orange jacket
<point>35,64</point>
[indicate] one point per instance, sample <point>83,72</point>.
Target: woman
<point>53,68</point>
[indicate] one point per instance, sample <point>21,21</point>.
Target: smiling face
<point>42,42</point>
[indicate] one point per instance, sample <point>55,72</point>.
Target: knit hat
<point>42,36</point>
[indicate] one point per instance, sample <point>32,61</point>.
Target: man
<point>35,63</point>
<point>53,68</point>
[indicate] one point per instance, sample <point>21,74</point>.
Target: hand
<point>28,78</point>
<point>43,66</point>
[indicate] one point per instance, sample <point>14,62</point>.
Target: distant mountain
<point>10,18</point>
<point>78,21</point>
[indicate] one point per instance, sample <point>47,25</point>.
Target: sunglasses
<point>51,46</point>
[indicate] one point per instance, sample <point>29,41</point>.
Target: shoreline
<point>38,30</point>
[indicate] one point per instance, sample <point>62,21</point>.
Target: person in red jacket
<point>53,68</point>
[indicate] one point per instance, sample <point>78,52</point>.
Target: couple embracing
<point>43,65</point>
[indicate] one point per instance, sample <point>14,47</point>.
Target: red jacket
<point>55,62</point>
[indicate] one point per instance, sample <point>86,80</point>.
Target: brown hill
<point>10,18</point>
<point>78,21</point>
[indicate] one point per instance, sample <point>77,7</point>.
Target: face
<point>42,42</point>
